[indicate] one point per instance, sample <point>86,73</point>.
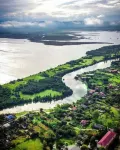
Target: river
<point>79,90</point>
<point>21,58</point>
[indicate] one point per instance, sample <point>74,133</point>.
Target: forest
<point>106,50</point>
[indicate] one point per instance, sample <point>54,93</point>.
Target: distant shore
<point>55,39</point>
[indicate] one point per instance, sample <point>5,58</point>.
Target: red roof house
<point>107,139</point>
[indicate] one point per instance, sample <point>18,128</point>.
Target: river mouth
<point>79,90</point>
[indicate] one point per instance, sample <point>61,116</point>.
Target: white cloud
<point>113,1</point>
<point>17,24</point>
<point>93,21</point>
<point>58,9</point>
<point>100,16</point>
<point>105,6</point>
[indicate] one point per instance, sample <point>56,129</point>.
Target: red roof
<point>107,139</point>
<point>84,122</point>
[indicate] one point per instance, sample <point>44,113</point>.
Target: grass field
<point>13,86</point>
<point>45,93</point>
<point>29,145</point>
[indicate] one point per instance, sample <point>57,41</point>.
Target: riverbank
<point>19,92</point>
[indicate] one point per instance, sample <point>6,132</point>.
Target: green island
<point>48,86</point>
<point>80,125</point>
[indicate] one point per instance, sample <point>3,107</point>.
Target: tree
<point>41,110</point>
<point>79,143</point>
<point>84,147</point>
<point>96,114</point>
<point>101,148</point>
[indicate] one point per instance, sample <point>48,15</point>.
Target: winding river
<point>79,90</point>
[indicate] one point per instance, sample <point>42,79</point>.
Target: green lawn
<point>109,119</point>
<point>41,94</point>
<point>29,145</point>
<point>36,77</point>
<point>12,86</point>
<point>20,114</point>
<point>68,141</point>
<point>19,140</point>
<point>115,79</point>
<point>115,111</point>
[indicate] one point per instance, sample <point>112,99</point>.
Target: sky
<point>42,13</point>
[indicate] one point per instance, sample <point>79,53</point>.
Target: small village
<point>92,123</point>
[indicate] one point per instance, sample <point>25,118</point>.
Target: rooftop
<point>107,139</point>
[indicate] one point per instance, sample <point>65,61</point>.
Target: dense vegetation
<point>33,86</point>
<point>47,86</point>
<point>4,95</point>
<point>107,50</point>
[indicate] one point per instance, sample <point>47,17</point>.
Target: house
<point>84,122</point>
<point>91,91</point>
<point>73,147</point>
<point>7,125</point>
<point>107,139</point>
<point>74,108</point>
<point>110,86</point>
<point>97,89</point>
<point>10,117</point>
<point>98,127</point>
<point>102,94</point>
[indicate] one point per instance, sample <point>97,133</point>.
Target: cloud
<point>100,16</point>
<point>16,24</point>
<point>105,6</point>
<point>60,10</point>
<point>93,21</point>
<point>113,2</point>
<point>115,23</point>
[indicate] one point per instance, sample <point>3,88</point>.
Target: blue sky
<point>30,12</point>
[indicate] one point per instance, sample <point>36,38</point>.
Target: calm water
<point>21,58</point>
